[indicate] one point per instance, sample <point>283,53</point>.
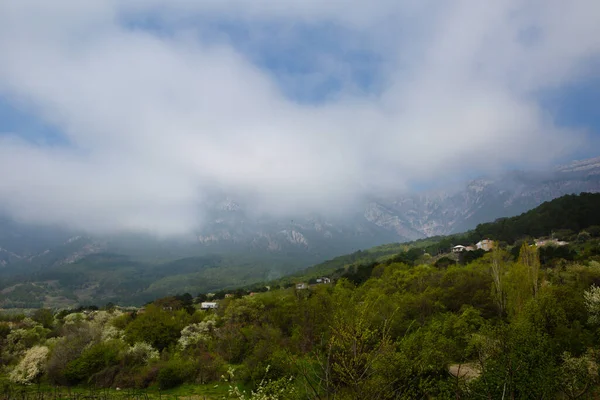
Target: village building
<point>301,286</point>
<point>208,305</point>
<point>551,242</point>
<point>459,248</point>
<point>485,244</point>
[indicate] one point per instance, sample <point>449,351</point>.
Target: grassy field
<point>47,392</point>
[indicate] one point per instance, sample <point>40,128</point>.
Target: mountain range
<point>315,237</point>
<point>265,247</point>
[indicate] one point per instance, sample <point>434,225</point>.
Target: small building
<point>301,286</point>
<point>550,242</point>
<point>208,305</point>
<point>227,295</point>
<point>470,248</point>
<point>485,244</point>
<point>323,280</point>
<point>459,248</point>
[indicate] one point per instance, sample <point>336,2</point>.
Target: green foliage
<point>44,317</point>
<point>517,322</point>
<point>577,374</point>
<point>174,373</point>
<point>267,389</point>
<point>572,212</point>
<point>445,262</point>
<point>156,326</point>
<point>516,361</point>
<point>93,360</point>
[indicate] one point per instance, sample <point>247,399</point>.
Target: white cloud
<point>155,121</point>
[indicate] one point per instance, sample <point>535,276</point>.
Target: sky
<point>129,115</point>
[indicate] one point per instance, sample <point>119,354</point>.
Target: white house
<point>323,280</point>
<point>301,286</point>
<point>485,244</point>
<point>207,305</point>
<point>459,248</point>
<point>554,242</point>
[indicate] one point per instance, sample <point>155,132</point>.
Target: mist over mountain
<point>302,239</point>
<point>236,246</point>
<point>119,117</point>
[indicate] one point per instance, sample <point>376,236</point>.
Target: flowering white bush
<point>267,389</point>
<point>592,303</point>
<point>142,353</point>
<point>110,332</point>
<point>103,318</point>
<point>31,366</point>
<point>28,323</point>
<point>18,340</point>
<point>196,333</point>
<point>577,374</point>
<point>74,318</point>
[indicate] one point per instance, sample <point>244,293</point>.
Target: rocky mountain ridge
<point>317,237</point>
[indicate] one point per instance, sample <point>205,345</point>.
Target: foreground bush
<point>31,367</point>
<point>175,372</point>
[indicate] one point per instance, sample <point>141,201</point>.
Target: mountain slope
<point>287,244</point>
<point>569,214</point>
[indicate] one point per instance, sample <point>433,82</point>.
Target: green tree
<point>530,259</point>
<point>157,327</point>
<point>577,375</point>
<point>92,360</point>
<point>499,262</point>
<point>516,362</point>
<point>44,316</point>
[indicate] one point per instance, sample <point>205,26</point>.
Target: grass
<point>44,391</point>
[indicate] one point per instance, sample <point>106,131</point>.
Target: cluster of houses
<point>485,244</point>
<point>318,281</point>
<point>211,305</point>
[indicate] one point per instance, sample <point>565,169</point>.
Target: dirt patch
<point>468,371</point>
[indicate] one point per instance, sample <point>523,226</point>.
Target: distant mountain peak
<point>588,165</point>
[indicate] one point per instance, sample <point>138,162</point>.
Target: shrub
<point>210,367</point>
<point>141,353</point>
<point>31,366</point>
<point>19,340</point>
<point>4,330</point>
<point>157,327</point>
<point>93,360</point>
<point>194,334</point>
<point>174,373</point>
<point>66,349</point>
<point>44,317</point>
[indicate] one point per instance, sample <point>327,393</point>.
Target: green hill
<point>563,217</point>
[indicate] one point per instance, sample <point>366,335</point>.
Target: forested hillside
<point>520,321</point>
<point>563,218</point>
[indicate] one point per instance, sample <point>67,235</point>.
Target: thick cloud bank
<point>157,103</point>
